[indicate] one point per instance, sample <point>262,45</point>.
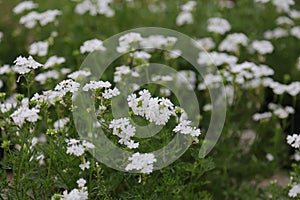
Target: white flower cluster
<point>93,85</point>
<point>39,48</point>
<point>94,7</point>
<point>54,60</point>
<point>276,33</point>
<point>78,74</point>
<point>125,131</point>
<point>140,56</point>
<point>216,58</point>
<point>293,140</point>
<point>91,46</point>
<point>25,113</point>
<point>77,147</point>
<point>185,16</point>
<point>76,194</point>
<point>30,20</point>
<point>262,47</point>
<point>218,25</point>
<point>42,77</point>
<point>61,123</point>
<point>292,89</point>
<point>157,110</point>
<point>186,78</point>
<point>66,86</point>
<point>85,165</point>
<point>24,65</point>
<point>277,110</point>
<point>132,41</point>
<point>110,93</point>
<point>123,70</point>
<point>142,162</point>
<point>184,127</point>
<point>24,5</point>
<point>232,41</point>
<point>294,191</point>
<point>205,44</point>
<point>281,5</point>
<point>295,31</point>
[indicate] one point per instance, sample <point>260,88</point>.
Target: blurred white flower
<point>42,77</point>
<point>92,45</point>
<point>284,20</point>
<point>79,73</point>
<point>85,165</point>
<point>262,47</point>
<point>95,7</point>
<point>109,93</point>
<point>81,182</point>
<point>128,42</point>
<point>232,41</point>
<point>294,191</point>
<point>184,18</point>
<point>92,85</point>
<point>30,20</point>
<point>39,48</point>
<point>54,60</point>
<point>25,113</point>
<point>295,31</point>
<point>218,25</point>
<point>25,5</point>
<point>204,44</point>
<point>215,58</point>
<point>276,33</point>
<point>283,5</point>
<point>269,157</point>
<point>61,123</point>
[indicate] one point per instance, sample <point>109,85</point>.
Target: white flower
<point>77,148</point>
<point>142,55</point>
<point>79,73</point>
<point>295,14</point>
<point>85,165</point>
<point>156,110</point>
<point>42,77</point>
<point>269,157</point>
<point>204,44</point>
<point>232,41</point>
<point>39,48</point>
<point>215,58</point>
<point>184,18</point>
<point>276,33</point>
<point>48,16</point>
<point>5,69</point>
<point>218,25</point>
<point>25,5</point>
<point>298,64</point>
<point>67,86</point>
<point>61,123</point>
<point>92,45</point>
<point>295,31</point>
<point>293,140</point>
<point>30,19</point>
<point>93,85</point>
<point>81,182</point>
<point>54,60</point>
<point>75,194</point>
<point>261,116</point>
<point>262,1</point>
<point>142,162</point>
<point>262,47</point>
<point>294,191</point>
<point>24,65</point>
<point>184,128</point>
<point>25,113</point>
<point>95,7</point>
<point>124,130</point>
<point>188,6</point>
<point>283,5</point>
<point>284,20</point>
<point>129,42</point>
<point>109,93</point>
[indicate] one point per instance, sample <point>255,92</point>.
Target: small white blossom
<point>24,65</point>
<point>294,191</point>
<point>184,128</point>
<point>79,73</point>
<point>81,182</point>
<point>85,165</point>
<point>54,60</point>
<point>295,31</point>
<point>142,162</point>
<point>93,85</point>
<point>92,45</point>
<point>67,86</point>
<point>218,25</point>
<point>262,47</point>
<point>39,48</point>
<point>293,140</point>
<point>25,5</point>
